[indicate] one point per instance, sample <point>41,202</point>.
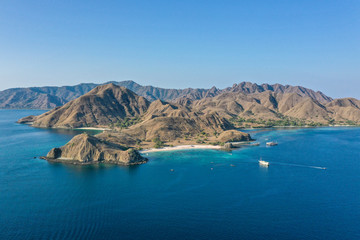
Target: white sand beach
<point>180,147</point>
<point>94,128</point>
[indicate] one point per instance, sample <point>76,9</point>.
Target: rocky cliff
<point>86,149</point>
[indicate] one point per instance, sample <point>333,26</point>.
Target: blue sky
<point>178,44</point>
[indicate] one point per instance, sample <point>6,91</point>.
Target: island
<point>133,123</point>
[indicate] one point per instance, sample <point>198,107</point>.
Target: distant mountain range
<point>51,97</point>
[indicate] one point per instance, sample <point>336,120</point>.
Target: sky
<point>179,44</point>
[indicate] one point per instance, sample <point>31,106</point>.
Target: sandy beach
<point>180,147</point>
<point>94,128</point>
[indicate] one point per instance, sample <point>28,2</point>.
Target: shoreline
<point>180,147</point>
<point>70,161</point>
<point>92,128</point>
<point>275,127</point>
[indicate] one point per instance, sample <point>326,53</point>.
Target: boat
<point>263,163</point>
<point>271,143</point>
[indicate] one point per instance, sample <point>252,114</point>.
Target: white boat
<point>263,163</point>
<point>271,143</point>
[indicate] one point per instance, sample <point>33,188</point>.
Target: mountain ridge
<point>51,97</point>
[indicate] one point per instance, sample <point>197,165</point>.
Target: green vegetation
<point>218,143</point>
<point>131,151</point>
<point>138,142</point>
<point>284,121</point>
<point>125,123</point>
<point>348,122</point>
<point>202,137</point>
<point>158,143</point>
<point>199,141</point>
<point>331,121</point>
<point>187,137</point>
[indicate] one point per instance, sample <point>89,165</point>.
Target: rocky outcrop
<point>234,136</point>
<point>27,120</point>
<point>85,149</point>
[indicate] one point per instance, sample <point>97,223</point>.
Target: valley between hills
<point>154,118</point>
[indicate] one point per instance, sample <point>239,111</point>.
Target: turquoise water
<point>203,198</point>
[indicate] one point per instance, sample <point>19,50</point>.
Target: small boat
<point>255,144</point>
<point>271,144</point>
<point>263,163</point>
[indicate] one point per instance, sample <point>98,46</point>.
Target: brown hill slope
<point>100,107</point>
<point>309,110</point>
<point>168,122</point>
<point>231,105</point>
<point>345,109</point>
<point>277,106</point>
<point>251,88</point>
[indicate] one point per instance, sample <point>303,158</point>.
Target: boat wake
<point>298,165</point>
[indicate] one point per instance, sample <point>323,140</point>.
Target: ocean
<point>211,194</point>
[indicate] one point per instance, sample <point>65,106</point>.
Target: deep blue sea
<point>205,197</point>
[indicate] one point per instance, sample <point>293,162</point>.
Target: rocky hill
<point>108,105</point>
<point>279,108</point>
<point>50,97</point>
<point>345,109</point>
<point>87,149</point>
<point>250,88</point>
<point>102,106</point>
